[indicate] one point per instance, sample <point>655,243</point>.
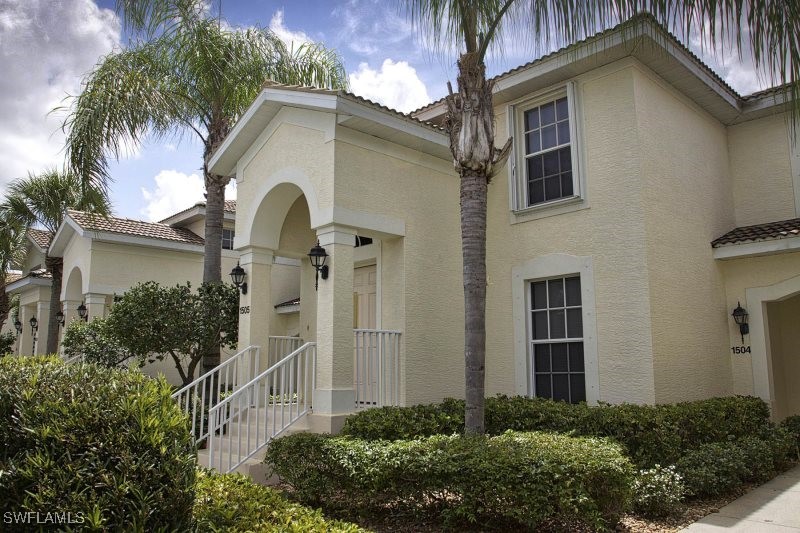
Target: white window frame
<point>232,239</point>
<point>550,340</point>
<point>548,267</point>
<point>518,179</point>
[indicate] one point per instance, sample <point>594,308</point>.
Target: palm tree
<point>476,26</point>
<point>191,74</point>
<point>43,200</point>
<point>12,237</point>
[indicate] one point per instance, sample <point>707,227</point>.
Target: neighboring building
<point>104,257</point>
<point>630,159</point>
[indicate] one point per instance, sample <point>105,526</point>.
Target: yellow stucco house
<point>104,257</point>
<point>644,200</point>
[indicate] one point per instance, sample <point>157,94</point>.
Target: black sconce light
<point>740,316</point>
<point>83,312</point>
<point>318,256</point>
<point>34,325</point>
<point>60,318</point>
<point>18,326</point>
<point>237,276</point>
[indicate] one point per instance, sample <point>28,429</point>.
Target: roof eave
<point>659,51</point>
<point>254,120</point>
<point>271,100</point>
<point>63,236</point>
<point>27,281</point>
<point>757,248</point>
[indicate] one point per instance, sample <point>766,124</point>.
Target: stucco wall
<point>421,287</point>
<point>610,231</point>
<point>761,171</point>
<point>688,202</point>
<point>739,275</point>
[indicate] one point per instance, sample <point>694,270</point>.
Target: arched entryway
<point>775,340</point>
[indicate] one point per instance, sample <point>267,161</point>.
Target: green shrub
<point>720,467</point>
<point>792,426</point>
<point>7,341</point>
<point>651,435</point>
<point>231,502</point>
<point>713,469</point>
<point>399,423</point>
<point>658,491</point>
<point>514,480</point>
<point>109,444</point>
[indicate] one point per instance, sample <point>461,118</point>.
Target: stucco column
<point>95,305</point>
<point>25,340</point>
<point>334,394</point>
<point>43,316</point>
<point>255,307</point>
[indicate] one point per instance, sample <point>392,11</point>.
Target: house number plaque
<point>740,349</point>
<point>244,310</point>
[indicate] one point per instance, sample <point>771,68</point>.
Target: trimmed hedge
<point>512,480</point>
<point>232,502</point>
<point>718,468</point>
<point>651,435</point>
<point>108,445</point>
<point>792,425</point>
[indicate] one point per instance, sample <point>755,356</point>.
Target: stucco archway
<point>261,219</point>
<point>73,289</point>
<point>764,317</point>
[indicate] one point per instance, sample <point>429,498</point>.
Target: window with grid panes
<point>227,239</point>
<point>548,152</point>
<point>556,364</point>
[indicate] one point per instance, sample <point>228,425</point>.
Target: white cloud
<point>291,38</point>
<point>396,85</point>
<point>45,49</point>
<point>175,191</point>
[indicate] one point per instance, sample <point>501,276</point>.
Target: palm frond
<point>43,200</point>
<point>770,29</point>
<point>127,96</point>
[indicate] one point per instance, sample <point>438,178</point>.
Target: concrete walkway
<point>771,508</point>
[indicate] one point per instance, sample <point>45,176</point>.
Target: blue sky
<point>46,46</point>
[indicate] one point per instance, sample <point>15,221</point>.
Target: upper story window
<point>546,165</point>
<point>227,239</point>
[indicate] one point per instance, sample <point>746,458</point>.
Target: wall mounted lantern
<point>34,325</point>
<point>83,312</point>
<point>318,256</point>
<point>237,276</point>
<point>60,318</point>
<point>740,316</point>
<point>18,326</point>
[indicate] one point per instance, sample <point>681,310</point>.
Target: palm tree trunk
<point>5,301</point>
<point>215,213</point>
<point>474,188</point>
<point>55,265</point>
<point>470,124</point>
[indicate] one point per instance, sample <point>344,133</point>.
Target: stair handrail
<point>292,378</point>
<point>208,387</point>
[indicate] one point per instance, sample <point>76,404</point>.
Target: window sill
<point>549,209</point>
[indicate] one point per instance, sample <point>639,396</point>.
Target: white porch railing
<point>280,347</point>
<point>377,368</point>
<point>282,395</point>
<point>197,398</point>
